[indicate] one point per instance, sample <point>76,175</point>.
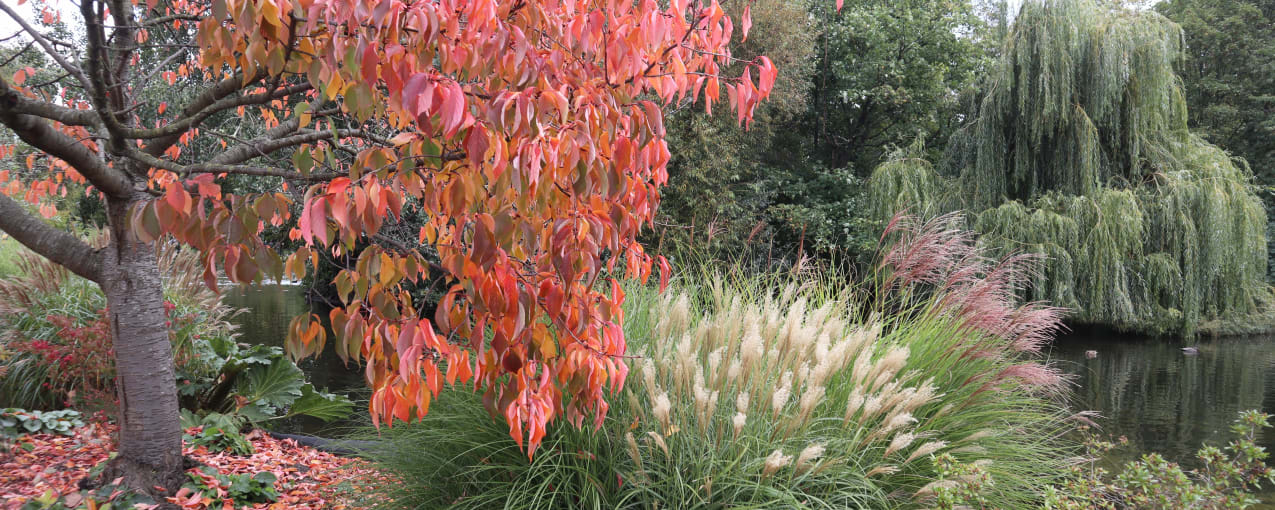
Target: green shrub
<point>217,432</point>
<point>781,393</point>
<point>16,422</point>
<point>241,489</point>
<point>1228,478</point>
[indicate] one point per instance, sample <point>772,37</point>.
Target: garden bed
<point>43,464</point>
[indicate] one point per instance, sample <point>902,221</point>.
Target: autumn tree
<point>529,134</point>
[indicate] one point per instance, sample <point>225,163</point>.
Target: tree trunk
<point>150,435</point>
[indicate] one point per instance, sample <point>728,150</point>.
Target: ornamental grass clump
<point>779,392</point>
<point>842,397</point>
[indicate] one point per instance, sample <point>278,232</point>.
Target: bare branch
<point>51,243</point>
<point>13,101</point>
<point>17,54</point>
<point>98,62</point>
<point>165,136</point>
<point>174,17</point>
<point>270,142</point>
<point>209,168</point>
<point>160,67</point>
<point>44,43</point>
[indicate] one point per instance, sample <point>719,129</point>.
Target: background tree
<point>1080,152</point>
<point>1228,75</point>
<point>889,72</point>
<point>520,131</point>
<point>855,85</point>
<point>717,192</point>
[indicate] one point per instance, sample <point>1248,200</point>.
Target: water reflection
<point>268,310</point>
<point>1165,401</point>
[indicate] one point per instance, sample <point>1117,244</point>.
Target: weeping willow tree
<point>1079,151</point>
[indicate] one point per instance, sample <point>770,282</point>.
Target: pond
<point>1165,401</point>
<point>1144,389</point>
<point>268,310</point>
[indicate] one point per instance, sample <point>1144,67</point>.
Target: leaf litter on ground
<point>39,465</point>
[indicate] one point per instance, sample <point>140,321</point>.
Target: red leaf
<point>318,221</point>
<point>453,110</point>
<point>665,270</point>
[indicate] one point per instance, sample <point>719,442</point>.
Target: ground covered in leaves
<point>43,464</point>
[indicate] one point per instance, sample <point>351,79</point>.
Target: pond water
<point>1144,389</point>
<point>1165,401</point>
<point>268,310</point>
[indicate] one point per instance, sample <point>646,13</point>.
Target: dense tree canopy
<point>1080,152</point>
<point>1228,75</point>
<point>856,84</point>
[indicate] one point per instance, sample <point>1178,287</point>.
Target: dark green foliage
<point>1079,151</point>
<point>853,86</point>
<point>1228,76</point>
<point>887,73</point>
<point>721,176</point>
<point>244,489</point>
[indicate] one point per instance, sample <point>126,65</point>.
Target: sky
<point>68,10</point>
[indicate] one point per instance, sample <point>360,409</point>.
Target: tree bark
<point>150,437</point>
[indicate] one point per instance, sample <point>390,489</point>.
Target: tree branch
<point>165,136</point>
<point>267,144</point>
<point>98,63</point>
<point>41,135</point>
<point>174,17</point>
<point>209,168</point>
<point>56,245</point>
<point>44,43</point>
<point>14,101</point>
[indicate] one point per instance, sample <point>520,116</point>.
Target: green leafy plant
<point>217,432</point>
<point>237,489</point>
<point>15,422</point>
<point>1227,478</point>
<point>959,485</point>
<point>259,383</point>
